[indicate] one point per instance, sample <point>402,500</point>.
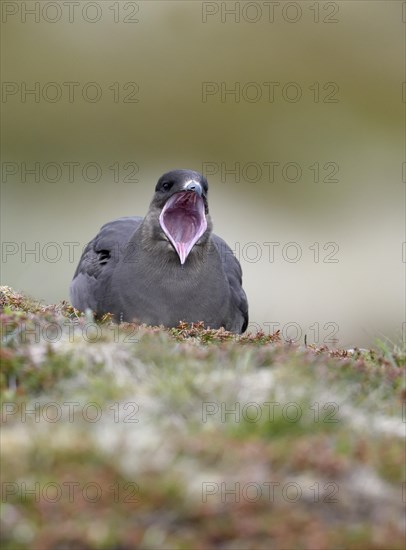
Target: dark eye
<point>167,185</point>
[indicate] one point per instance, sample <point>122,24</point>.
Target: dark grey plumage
<point>165,268</point>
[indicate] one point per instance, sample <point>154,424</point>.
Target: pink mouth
<point>183,220</point>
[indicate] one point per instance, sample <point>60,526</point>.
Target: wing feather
<point>98,262</point>
<point>232,269</point>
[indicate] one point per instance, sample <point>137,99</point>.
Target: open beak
<point>183,219</point>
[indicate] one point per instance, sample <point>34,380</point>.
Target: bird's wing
<point>232,269</point>
<point>99,258</point>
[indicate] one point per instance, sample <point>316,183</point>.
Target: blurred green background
<point>318,98</point>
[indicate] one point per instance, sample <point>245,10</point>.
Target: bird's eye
<point>167,185</point>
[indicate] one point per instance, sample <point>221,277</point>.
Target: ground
<point>123,437</point>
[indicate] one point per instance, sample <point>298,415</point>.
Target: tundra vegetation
<point>129,436</point>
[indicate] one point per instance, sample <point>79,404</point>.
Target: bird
<point>166,268</point>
